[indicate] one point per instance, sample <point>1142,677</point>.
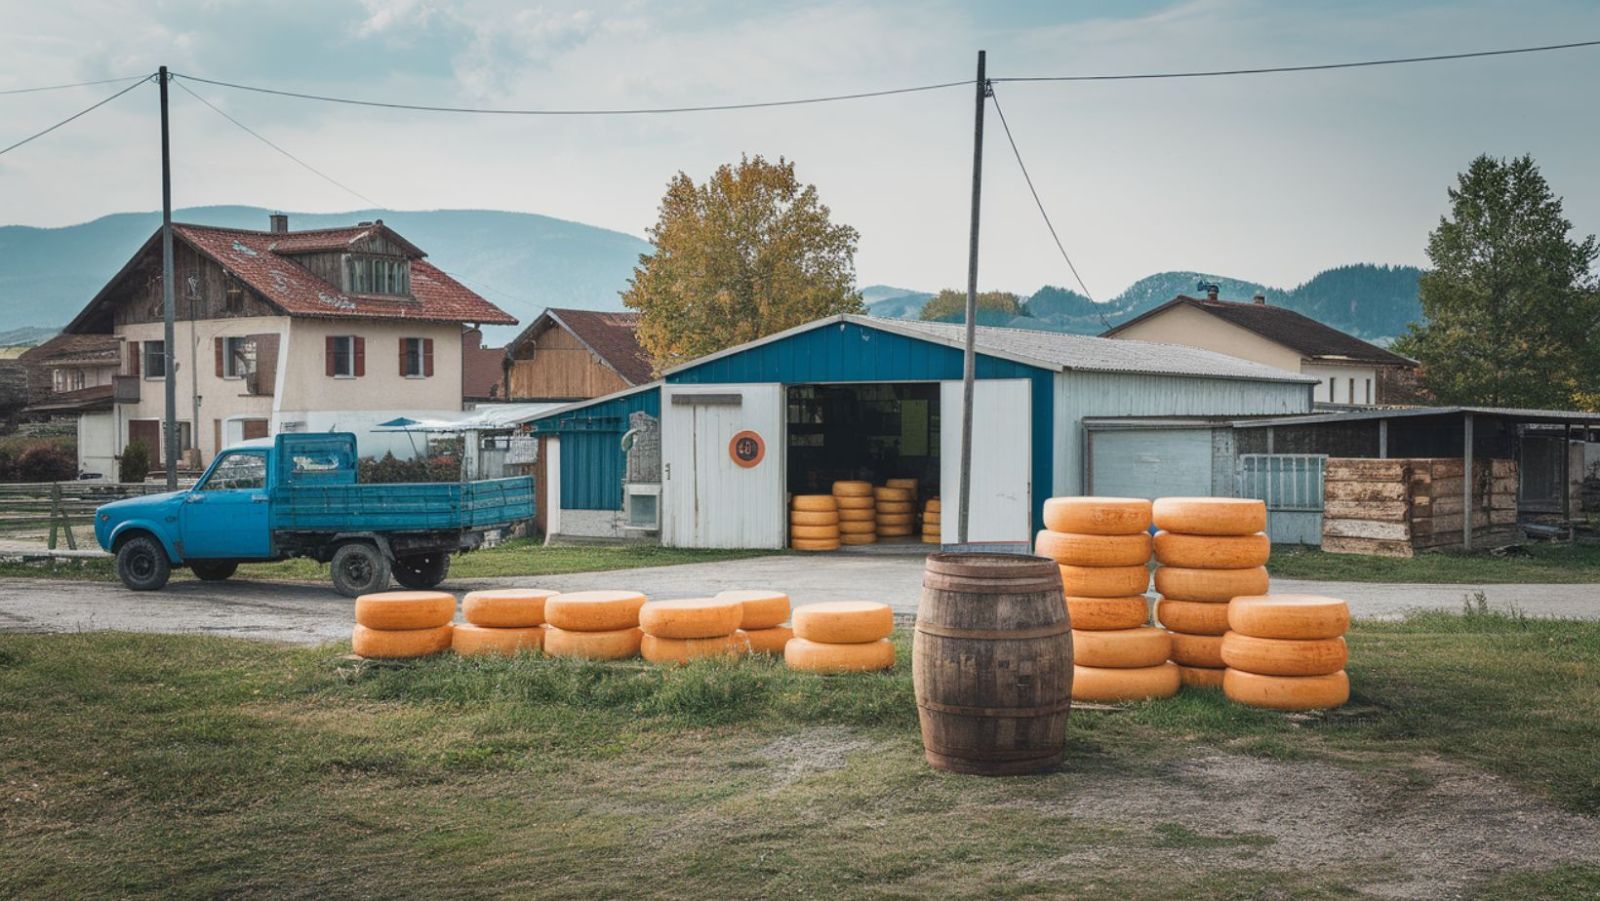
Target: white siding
<point>97,443</point>
<point>708,500</point>
<point>1002,460</point>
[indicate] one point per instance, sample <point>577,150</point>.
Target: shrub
<point>388,469</point>
<point>134,465</point>
<point>47,463</point>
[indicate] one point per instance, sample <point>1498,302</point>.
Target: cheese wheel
<point>814,544</point>
<point>908,484</point>
<point>852,489</point>
<point>691,617</point>
<point>1200,676</point>
<point>814,503</point>
<point>1192,617</point>
<point>656,649</point>
<point>405,610</point>
<point>398,643</point>
<point>1284,656</point>
<point>1186,584</point>
<point>826,533</point>
<point>506,608</point>
<point>813,517</point>
<point>768,641</point>
<point>893,531</point>
<point>857,516</point>
<point>852,502</point>
<point>1097,515</point>
<point>1212,551</point>
<point>1286,692</point>
<point>1298,616</point>
<point>594,611</point>
<point>932,506</point>
<point>896,507</point>
<point>819,657</point>
<point>858,528</point>
<point>1209,515</point>
<point>931,538</point>
<point>1121,648</point>
<point>1197,650</point>
<point>1100,614</point>
<point>470,640</point>
<point>843,622</point>
<point>884,493</point>
<point>1106,684</point>
<point>896,519</point>
<point>1104,581</point>
<point>860,538</point>
<point>1081,549</point>
<point>616,644</point>
<point>759,608</point>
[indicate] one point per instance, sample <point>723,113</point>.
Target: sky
<point>1267,178</point>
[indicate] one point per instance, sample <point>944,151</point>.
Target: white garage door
<point>710,498</point>
<point>1150,463</point>
<point>1002,457</point>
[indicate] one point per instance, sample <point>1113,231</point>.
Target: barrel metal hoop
<point>965,585</point>
<point>994,634</point>
<point>1014,712</point>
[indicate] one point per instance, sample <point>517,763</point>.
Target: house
<point>571,355</point>
<point>71,376</point>
<point>482,369</point>
<point>278,330</point>
<point>1348,371</point>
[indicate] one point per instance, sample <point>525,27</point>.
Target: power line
<point>75,115</point>
<point>263,139</point>
<point>78,84</point>
<point>1215,73</point>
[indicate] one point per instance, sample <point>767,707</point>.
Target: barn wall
<point>556,366</point>
<point>592,460</point>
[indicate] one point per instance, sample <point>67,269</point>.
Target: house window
<point>346,356</point>
<point>377,275</point>
<point>1351,397</point>
<point>1331,384</point>
<point>1369,391</point>
<point>416,357</point>
<point>155,359</point>
<point>238,357</point>
<point>233,299</point>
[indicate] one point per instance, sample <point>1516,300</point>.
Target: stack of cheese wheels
<point>503,621</point>
<point>1286,652</point>
<point>395,624</point>
<point>1211,550</point>
<point>858,518</point>
<point>593,625</point>
<point>897,512</point>
<point>814,522</point>
<point>841,637</point>
<point>688,629</point>
<point>930,522</point>
<point>765,613</point>
<point>908,484</point>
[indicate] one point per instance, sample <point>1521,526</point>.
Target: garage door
<point>1150,463</point>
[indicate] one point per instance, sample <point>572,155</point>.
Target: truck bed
<point>401,507</point>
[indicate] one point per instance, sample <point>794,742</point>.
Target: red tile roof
<point>613,337</point>
<point>67,349</point>
<point>326,239</point>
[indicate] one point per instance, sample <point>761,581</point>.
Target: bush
<point>390,469</point>
<point>46,463</point>
<point>134,466</point>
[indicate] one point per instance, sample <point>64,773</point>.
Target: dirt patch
<point>795,757</point>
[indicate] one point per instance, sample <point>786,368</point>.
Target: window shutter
<point>218,342</point>
<point>361,355</point>
<point>133,358</point>
<point>403,372</point>
<point>427,357</point>
<point>329,345</point>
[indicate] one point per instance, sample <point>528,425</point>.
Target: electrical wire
<point>82,112</point>
<point>78,84</point>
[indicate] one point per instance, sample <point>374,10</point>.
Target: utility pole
<point>970,355</point>
<point>169,302</point>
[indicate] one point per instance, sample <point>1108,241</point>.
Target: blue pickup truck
<point>297,496</point>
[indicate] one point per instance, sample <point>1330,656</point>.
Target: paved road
<point>312,613</point>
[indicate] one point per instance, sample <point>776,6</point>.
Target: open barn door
<point>1002,461</point>
<point>722,450</point>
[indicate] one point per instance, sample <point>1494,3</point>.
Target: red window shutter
<point>218,342</point>
<point>403,372</point>
<point>361,356</point>
<point>427,357</point>
<point>329,348</point>
<point>133,358</point>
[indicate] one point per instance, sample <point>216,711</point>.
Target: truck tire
<point>214,570</point>
<point>359,568</point>
<point>422,571</point>
<point>142,564</point>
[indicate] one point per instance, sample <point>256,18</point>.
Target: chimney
<point>1211,292</point>
<point>1260,298</point>
<point>278,223</point>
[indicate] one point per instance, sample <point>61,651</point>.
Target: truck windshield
<point>238,471</point>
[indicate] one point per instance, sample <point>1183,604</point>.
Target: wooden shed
<point>570,355</point>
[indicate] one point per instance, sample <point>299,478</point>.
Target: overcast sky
<point>1265,177</point>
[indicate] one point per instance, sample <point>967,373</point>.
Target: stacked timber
<point>679,631</point>
<point>896,511</point>
<point>814,522</point>
<point>502,621</point>
<point>1397,507</point>
<point>858,517</point>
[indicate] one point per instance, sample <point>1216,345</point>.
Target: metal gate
<point>1291,485</point>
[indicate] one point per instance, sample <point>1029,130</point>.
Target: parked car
<point>298,496</point>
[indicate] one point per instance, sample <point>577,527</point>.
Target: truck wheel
<point>359,568</point>
<point>142,564</point>
<point>214,570</point>
<point>422,570</point>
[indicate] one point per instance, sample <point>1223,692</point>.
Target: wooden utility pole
<point>168,299</point>
<point>970,354</point>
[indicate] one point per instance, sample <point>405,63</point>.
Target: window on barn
<point>377,275</point>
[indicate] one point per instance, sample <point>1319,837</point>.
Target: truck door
<point>225,516</point>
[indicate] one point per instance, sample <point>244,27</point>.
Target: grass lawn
<point>1542,563</point>
<point>194,766</point>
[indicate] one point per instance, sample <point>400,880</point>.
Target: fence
<point>1292,487</point>
<point>31,509</point>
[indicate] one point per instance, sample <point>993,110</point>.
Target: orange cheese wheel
<point>852,489</point>
<point>825,533</point>
<point>814,503</point>
<point>594,611</point>
<point>1186,584</point>
<point>896,519</point>
<point>852,502</point>
<point>405,610</point>
<point>1080,549</point>
<point>908,484</point>
<point>1104,581</point>
<point>1298,616</point>
<point>813,518</point>
<point>814,544</point>
<point>1097,515</point>
<point>1212,551</point>
<point>390,644</point>
<point>931,538</point>
<point>1141,646</point>
<point>506,608</point>
<point>843,622</point>
<point>896,507</point>
<point>1284,656</point>
<point>760,608</point>
<point>894,531</point>
<point>885,493</point>
<point>1100,614</point>
<point>860,538</point>
<point>1106,684</point>
<point>1200,676</point>
<point>858,528</point>
<point>682,650</point>
<point>616,644</point>
<point>868,516</point>
<point>471,640</point>
<point>1193,617</point>
<point>818,657</point>
<point>1286,692</point>
<point>1209,515</point>
<point>768,641</point>
<point>932,505</point>
<point>691,617</point>
<point>1197,650</point>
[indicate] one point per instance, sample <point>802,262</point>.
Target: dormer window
<point>377,275</point>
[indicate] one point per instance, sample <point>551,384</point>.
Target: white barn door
<point>1002,460</point>
<point>714,494</point>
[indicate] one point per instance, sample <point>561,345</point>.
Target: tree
<point>1512,312</point>
<point>749,253</point>
<point>134,464</point>
<point>951,306</point>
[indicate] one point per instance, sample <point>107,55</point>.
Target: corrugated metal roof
<point>1527,415</point>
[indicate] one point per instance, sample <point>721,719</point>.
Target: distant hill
<point>27,336</point>
<point>894,303</point>
<point>521,262</point>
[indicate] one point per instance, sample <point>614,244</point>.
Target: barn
<point>707,455</point>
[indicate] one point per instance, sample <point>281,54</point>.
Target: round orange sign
<point>747,449</point>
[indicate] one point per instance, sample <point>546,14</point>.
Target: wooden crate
<point>1396,507</point>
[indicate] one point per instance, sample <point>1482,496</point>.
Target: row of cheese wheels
<point>931,522</point>
<point>814,523</point>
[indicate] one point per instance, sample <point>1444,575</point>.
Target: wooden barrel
<point>992,663</point>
